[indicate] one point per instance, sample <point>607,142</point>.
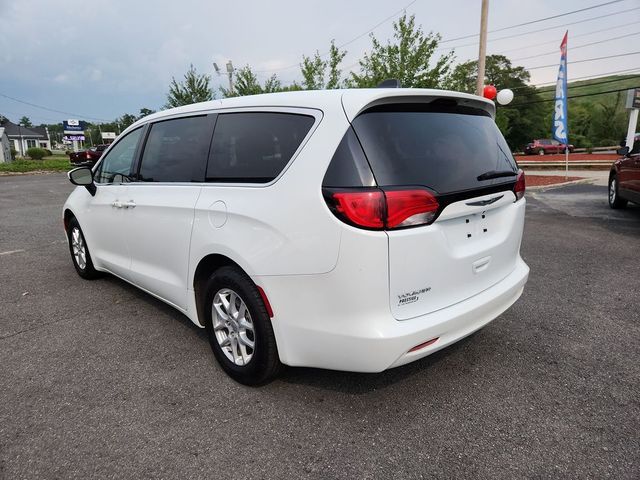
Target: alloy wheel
<point>612,191</point>
<point>233,327</point>
<point>79,249</point>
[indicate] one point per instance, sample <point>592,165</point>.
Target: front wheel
<point>80,255</point>
<point>239,328</point>
<point>614,199</point>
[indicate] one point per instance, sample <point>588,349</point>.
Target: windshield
<point>447,149</point>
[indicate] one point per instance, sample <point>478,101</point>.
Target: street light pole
<point>230,72</point>
<point>483,46</point>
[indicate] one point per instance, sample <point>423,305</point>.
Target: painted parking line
<point>9,252</point>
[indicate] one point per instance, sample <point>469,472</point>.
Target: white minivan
<point>343,229</point>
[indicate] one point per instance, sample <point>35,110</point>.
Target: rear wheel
<point>239,328</point>
<point>614,199</point>
<point>541,151</point>
<point>80,255</point>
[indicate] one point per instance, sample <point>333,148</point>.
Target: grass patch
<point>55,163</point>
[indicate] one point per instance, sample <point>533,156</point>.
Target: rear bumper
<point>317,336</point>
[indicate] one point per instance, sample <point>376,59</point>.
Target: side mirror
<point>83,176</point>
<point>623,151</point>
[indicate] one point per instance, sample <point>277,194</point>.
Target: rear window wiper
<point>496,174</point>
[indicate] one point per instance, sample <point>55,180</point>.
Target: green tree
<point>195,88</point>
<point>144,112</point>
<point>407,58</point>
<point>314,69</point>
<point>25,122</point>
<point>608,120</point>
<point>521,121</point>
<point>246,83</point>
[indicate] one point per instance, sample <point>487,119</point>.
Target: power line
<point>585,60</point>
<point>348,42</point>
<point>572,96</point>
<point>573,87</point>
<point>537,21</point>
<point>586,78</point>
<point>52,109</point>
<point>554,42</point>
<point>576,47</point>
<point>599,17</point>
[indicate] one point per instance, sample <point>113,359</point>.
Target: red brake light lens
<point>363,208</point>
<point>520,186</point>
<point>406,208</point>
<point>376,209</point>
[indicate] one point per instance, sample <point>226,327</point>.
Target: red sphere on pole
<point>489,92</point>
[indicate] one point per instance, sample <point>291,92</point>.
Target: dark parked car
<point>624,178</point>
<point>545,146</point>
<point>87,157</point>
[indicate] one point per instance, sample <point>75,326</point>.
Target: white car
<point>348,229</point>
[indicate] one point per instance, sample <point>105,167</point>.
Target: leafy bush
<point>48,152</point>
<point>13,153</point>
<point>36,153</point>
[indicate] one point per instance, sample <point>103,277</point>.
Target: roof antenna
<point>389,83</point>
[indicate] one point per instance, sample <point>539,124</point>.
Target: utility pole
<point>483,46</point>
<point>21,141</point>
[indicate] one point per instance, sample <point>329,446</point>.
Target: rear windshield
<point>445,148</point>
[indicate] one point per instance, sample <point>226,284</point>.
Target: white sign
<point>75,123</point>
<point>108,135</point>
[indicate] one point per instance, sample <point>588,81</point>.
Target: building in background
<point>22,138</point>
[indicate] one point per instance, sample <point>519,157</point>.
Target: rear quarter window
<point>444,148</point>
<point>254,147</point>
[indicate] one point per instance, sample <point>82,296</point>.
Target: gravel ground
<point>100,380</point>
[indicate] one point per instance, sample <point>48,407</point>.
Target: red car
<point>87,157</point>
<point>545,146</point>
<point>624,178</point>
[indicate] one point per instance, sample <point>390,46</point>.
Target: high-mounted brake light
<point>520,186</point>
<point>383,209</point>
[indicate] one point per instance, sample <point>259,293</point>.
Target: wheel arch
<point>206,266</point>
<point>66,218</point>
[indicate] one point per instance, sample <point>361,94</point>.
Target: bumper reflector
<point>423,345</point>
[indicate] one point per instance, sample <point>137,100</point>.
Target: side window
<point>255,147</point>
<point>116,165</point>
<point>349,166</point>
<point>176,150</point>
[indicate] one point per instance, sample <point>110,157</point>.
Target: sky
<point>98,60</point>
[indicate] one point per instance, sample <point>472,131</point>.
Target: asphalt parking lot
<point>99,380</point>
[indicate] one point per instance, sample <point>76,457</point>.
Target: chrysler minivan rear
<point>430,205</point>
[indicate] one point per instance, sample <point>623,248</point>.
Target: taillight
<point>406,208</point>
<point>362,208</point>
<point>88,156</point>
<point>520,186</point>
<point>377,209</point>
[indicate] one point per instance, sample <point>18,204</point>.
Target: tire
<point>541,151</point>
<point>79,251</point>
<point>615,201</point>
<point>245,346</point>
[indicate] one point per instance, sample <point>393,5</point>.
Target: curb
<point>540,188</point>
<point>32,172</point>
